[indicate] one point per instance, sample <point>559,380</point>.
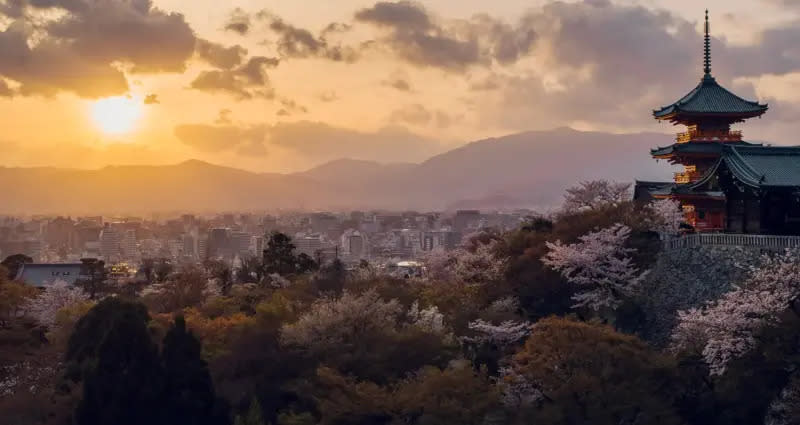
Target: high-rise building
<point>308,244</point>
<point>323,222</point>
<point>354,245</point>
<point>128,245</point>
<point>256,245</point>
<point>240,243</point>
<point>110,243</point>
<point>60,234</point>
<point>465,220</point>
<point>219,243</point>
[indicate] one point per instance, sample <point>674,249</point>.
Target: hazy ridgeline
<point>524,170</point>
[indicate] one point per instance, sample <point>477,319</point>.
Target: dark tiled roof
<point>697,148</point>
<point>709,98</point>
<point>646,190</point>
<point>764,166</point>
<point>46,274</point>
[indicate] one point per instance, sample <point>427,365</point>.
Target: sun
<point>116,115</point>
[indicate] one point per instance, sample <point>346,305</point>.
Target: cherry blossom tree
<point>507,333</point>
<point>55,297</point>
<point>591,195</point>
<point>728,328</point>
<point>428,319</point>
<point>785,409</point>
<point>599,265</point>
<point>666,216</point>
<point>516,390</point>
<point>334,321</point>
<point>478,266</point>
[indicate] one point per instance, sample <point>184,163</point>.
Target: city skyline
<point>283,87</point>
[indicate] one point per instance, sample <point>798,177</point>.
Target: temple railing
<point>709,136</point>
<point>771,242</point>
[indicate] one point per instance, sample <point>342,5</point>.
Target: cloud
<point>416,37</point>
<point>335,28</point>
<point>224,117</point>
<point>222,138</point>
<point>290,107</point>
<point>295,42</point>
<point>415,114</point>
<point>398,83</point>
<point>327,96</point>
<point>488,83</point>
<point>78,48</point>
<point>220,56</point>
<point>247,81</point>
<point>397,14</point>
<point>254,70</point>
<point>596,63</point>
<point>420,116</point>
<point>151,99</point>
<point>238,22</point>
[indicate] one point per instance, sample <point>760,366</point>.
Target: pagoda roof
<point>697,148</point>
<point>764,166</point>
<point>757,166</point>
<point>710,99</point>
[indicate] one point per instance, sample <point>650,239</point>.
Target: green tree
<point>432,396</point>
<point>189,393</point>
<point>163,268</point>
<point>305,263</point>
<point>279,255</point>
<point>591,374</point>
<point>124,383</point>
<point>148,269</point>
<point>221,271</point>
<point>13,263</point>
<point>331,278</point>
<point>94,276</point>
<point>251,270</point>
<point>90,331</point>
<point>254,415</point>
<point>13,297</point>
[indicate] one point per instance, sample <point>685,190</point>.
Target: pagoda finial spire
<point>707,48</point>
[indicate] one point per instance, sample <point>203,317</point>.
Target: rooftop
<point>42,275</point>
<point>709,99</point>
<point>764,166</point>
<point>696,148</point>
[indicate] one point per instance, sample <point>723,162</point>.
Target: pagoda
<point>727,184</point>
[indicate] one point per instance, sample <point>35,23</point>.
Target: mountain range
<point>529,169</point>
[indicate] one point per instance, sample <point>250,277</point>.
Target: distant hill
<point>526,169</point>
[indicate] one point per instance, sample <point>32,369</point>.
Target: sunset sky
<point>284,85</point>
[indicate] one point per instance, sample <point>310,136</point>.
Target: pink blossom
<point>728,328</point>
<point>599,265</point>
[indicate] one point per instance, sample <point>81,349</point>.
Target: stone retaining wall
<point>689,277</point>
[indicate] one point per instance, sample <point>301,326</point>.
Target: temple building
<point>727,184</point>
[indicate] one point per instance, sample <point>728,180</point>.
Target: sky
<point>282,86</point>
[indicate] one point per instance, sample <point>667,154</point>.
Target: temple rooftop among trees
<point>728,184</point>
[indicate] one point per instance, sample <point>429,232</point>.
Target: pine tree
<point>123,385</point>
<point>189,393</point>
<point>254,415</point>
